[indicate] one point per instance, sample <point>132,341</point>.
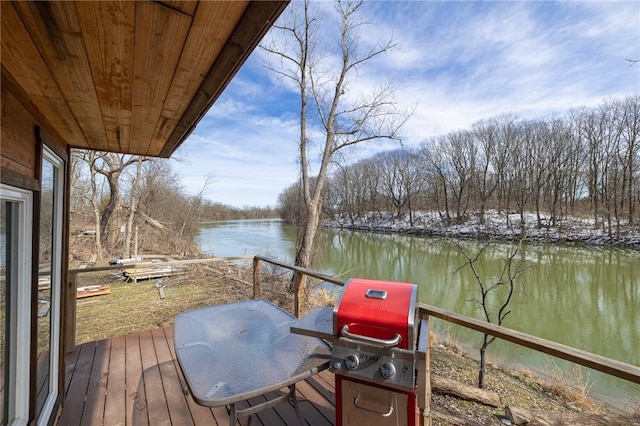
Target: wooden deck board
<point>136,380</point>
<point>176,402</point>
<point>72,360</point>
<point>93,411</point>
<point>136,405</point>
<point>314,404</point>
<point>116,383</point>
<point>323,387</point>
<point>157,406</point>
<point>199,414</point>
<point>77,390</point>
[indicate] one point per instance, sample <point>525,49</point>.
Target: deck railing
<point>596,362</point>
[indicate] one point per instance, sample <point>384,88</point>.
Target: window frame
<point>56,281</point>
<point>20,305</point>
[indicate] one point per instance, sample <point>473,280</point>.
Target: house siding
<point>18,126</point>
<point>21,129</point>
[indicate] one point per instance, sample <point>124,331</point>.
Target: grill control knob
<point>351,362</point>
<point>387,370</point>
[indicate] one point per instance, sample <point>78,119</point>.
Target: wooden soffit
<point>125,76</point>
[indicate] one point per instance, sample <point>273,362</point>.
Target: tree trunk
<point>483,357</point>
<point>524,416</point>
<point>466,392</point>
<point>95,204</point>
<point>133,206</point>
<point>304,254</point>
<point>111,211</point>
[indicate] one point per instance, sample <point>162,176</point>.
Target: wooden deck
<point>136,380</point>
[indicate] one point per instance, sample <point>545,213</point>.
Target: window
<point>15,290</point>
<point>49,283</point>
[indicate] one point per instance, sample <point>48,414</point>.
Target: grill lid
<point>383,311</point>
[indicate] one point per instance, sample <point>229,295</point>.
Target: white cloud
<point>456,63</point>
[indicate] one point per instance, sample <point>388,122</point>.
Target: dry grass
<point>571,386</point>
<point>635,407</point>
<point>446,342</point>
<point>317,296</point>
<point>132,307</point>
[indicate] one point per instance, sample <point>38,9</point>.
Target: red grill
<point>377,309</point>
<point>374,353</point>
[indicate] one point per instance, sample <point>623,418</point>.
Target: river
<point>584,297</point>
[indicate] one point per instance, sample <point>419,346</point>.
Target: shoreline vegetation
<point>496,226</point>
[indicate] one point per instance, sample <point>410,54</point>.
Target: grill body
<point>377,309</point>
<point>374,354</point>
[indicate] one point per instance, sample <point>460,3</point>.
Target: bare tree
<point>111,165</point>
<point>557,138</point>
<point>551,166</point>
<point>196,203</point>
<point>344,121</point>
<point>441,177</point>
<point>90,158</point>
<point>509,136</point>
<point>134,196</point>
<point>495,298</point>
<point>390,167</point>
<point>80,205</point>
<point>461,155</point>
<point>290,204</point>
<point>629,121</point>
<point>350,190</point>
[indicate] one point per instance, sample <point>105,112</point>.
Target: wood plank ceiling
<point>124,76</point>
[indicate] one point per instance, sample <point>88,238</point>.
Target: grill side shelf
<point>317,323</point>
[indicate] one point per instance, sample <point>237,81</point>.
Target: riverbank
<point>501,226</point>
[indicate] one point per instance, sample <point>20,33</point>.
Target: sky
<point>455,63</point>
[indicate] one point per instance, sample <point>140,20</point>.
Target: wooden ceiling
<point>125,76</point>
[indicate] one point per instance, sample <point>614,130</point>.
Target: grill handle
<point>387,343</point>
<point>357,405</point>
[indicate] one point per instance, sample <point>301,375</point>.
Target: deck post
<point>424,373</point>
<point>69,321</point>
<point>257,291</point>
<point>299,280</point>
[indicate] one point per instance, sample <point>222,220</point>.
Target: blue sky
<point>456,63</point>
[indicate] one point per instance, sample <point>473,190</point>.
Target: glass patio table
<point>232,353</point>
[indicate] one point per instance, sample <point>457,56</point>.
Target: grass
<point>131,307</point>
<point>635,408</point>
<point>571,386</point>
<point>446,342</point>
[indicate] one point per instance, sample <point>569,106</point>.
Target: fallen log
<point>466,392</point>
<point>529,417</point>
